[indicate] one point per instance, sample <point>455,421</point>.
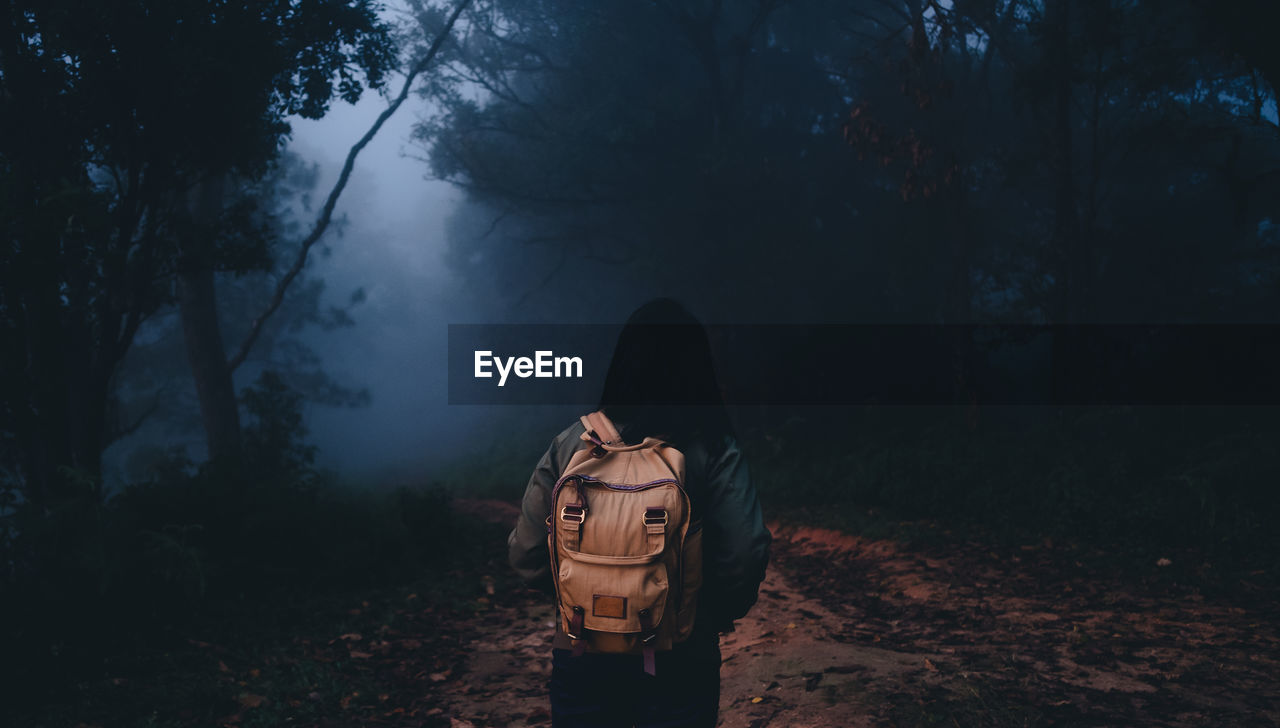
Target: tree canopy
<point>869,161</point>
<point>114,114</point>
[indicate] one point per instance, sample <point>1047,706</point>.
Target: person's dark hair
<point>662,380</point>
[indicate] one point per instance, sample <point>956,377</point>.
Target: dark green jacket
<point>735,539</point>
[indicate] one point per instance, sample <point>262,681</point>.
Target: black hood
<point>662,379</point>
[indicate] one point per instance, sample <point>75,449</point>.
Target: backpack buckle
<point>573,512</point>
<point>655,516</point>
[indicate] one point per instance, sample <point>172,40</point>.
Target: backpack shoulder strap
<point>600,429</point>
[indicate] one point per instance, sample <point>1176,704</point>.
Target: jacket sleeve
<point>736,540</point>
<point>527,544</point>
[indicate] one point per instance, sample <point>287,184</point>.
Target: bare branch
<point>546,280</point>
<point>122,431</point>
<point>326,213</point>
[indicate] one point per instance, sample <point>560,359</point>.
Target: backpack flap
<point>619,523</point>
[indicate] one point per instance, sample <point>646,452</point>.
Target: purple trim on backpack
<point>613,486</point>
<point>639,486</point>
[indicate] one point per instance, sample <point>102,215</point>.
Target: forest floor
<point>849,631</point>
<point>855,632</point>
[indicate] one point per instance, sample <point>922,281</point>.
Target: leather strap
<point>655,526</point>
<point>648,636</point>
<point>571,517</point>
<point>575,632</point>
<point>600,429</point>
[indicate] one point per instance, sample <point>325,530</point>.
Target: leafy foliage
<point>113,114</point>
<point>874,161</point>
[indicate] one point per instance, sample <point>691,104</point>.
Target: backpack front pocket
<point>611,591</point>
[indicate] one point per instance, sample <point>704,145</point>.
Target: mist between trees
<point>878,161</point>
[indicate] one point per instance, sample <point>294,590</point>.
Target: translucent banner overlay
<point>1203,364</point>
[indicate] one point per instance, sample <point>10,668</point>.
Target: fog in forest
<point>394,250</point>
<point>814,180</point>
<point>1043,237</point>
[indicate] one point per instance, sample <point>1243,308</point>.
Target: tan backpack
<point>626,561</point>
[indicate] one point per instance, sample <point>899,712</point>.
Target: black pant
<point>614,691</point>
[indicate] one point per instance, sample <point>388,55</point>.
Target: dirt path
<point>853,632</point>
<point>779,664</point>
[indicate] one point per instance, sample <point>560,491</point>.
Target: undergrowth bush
<point>94,575</point>
<point>1159,477</point>
<point>1202,478</point>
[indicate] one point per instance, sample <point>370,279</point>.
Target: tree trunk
<point>1070,265</point>
<point>1066,225</point>
<point>46,410</point>
<point>87,391</point>
<point>206,354</point>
